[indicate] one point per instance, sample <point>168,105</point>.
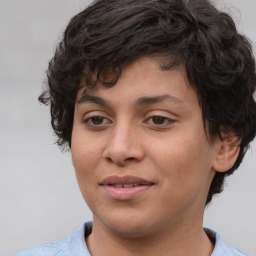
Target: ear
<point>227,152</point>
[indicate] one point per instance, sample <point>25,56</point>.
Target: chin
<point>128,226</point>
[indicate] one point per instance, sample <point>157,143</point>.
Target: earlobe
<point>227,154</point>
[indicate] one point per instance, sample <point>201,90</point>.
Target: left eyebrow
<point>148,100</point>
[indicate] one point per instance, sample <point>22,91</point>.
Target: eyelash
<point>166,121</point>
<point>89,121</point>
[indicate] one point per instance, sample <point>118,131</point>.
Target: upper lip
<point>115,180</point>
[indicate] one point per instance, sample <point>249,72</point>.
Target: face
<point>140,152</point>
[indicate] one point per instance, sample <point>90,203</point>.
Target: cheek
<point>183,162</point>
<point>85,150</point>
<point>84,160</point>
<point>183,173</point>
<point>85,157</point>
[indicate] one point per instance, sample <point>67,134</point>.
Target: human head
<point>107,35</point>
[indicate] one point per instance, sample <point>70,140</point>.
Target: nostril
<point>130,159</point>
<point>120,162</point>
<point>109,159</point>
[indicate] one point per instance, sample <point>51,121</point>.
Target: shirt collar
<point>77,245</point>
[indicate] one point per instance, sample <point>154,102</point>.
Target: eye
<point>94,121</point>
<point>159,120</point>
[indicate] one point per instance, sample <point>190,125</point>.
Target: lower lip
<point>125,193</point>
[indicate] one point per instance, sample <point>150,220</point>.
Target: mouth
<point>125,187</point>
<point>125,181</point>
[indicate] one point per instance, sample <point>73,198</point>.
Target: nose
<point>124,145</point>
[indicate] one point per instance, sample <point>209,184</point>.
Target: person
<point>154,99</point>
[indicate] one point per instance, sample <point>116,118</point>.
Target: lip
<point>115,180</point>
<point>125,187</point>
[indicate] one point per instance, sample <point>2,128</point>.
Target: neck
<point>178,240</point>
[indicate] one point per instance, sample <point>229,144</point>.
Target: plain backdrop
<point>39,199</point>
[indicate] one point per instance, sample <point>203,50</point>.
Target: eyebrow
<point>149,100</point>
<point>93,99</point>
<point>140,102</point>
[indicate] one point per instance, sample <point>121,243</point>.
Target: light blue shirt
<point>76,246</point>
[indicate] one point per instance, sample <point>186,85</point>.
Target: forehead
<point>142,77</point>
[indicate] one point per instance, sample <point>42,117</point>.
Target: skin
<point>172,151</point>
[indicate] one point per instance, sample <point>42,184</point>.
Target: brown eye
<point>97,120</point>
<point>158,120</point>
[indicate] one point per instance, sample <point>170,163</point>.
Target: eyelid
<point>95,113</point>
<point>161,113</point>
<point>89,115</point>
<point>169,118</point>
<point>166,119</point>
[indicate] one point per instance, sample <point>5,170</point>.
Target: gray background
<point>40,200</point>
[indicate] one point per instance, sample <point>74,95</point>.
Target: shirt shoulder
<point>221,248</point>
<point>71,246</point>
<point>51,249</point>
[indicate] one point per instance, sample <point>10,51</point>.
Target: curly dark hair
<point>109,34</point>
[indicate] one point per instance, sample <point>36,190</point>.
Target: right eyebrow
<point>93,99</point>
